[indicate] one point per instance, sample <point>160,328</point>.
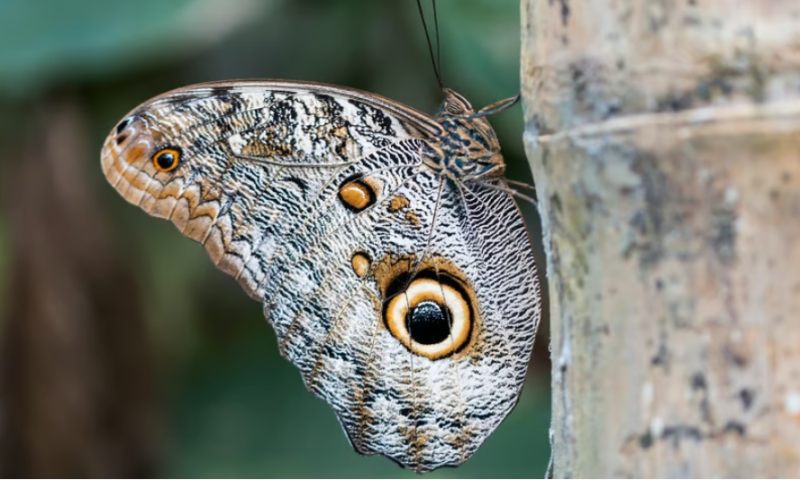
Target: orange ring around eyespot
<point>428,289</point>
<point>176,155</point>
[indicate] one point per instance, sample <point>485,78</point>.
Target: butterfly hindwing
<point>407,300</point>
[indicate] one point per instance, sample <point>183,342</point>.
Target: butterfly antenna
<point>430,46</point>
<point>519,184</point>
<point>438,43</point>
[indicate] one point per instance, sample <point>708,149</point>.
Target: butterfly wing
<point>408,302</point>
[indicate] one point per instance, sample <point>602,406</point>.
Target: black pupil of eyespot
<point>428,323</point>
<point>166,160</point>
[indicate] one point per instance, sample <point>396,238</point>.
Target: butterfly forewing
<point>408,300</point>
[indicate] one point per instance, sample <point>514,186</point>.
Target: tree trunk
<point>664,139</point>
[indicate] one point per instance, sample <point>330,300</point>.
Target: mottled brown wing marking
<point>232,121</point>
<point>312,213</point>
<point>325,221</point>
<point>254,284</point>
<point>313,249</point>
<point>456,439</point>
<point>480,214</point>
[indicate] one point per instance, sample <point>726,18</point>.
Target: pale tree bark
<point>664,138</point>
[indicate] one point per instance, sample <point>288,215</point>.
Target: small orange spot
<point>357,196</point>
<point>398,203</point>
<point>361,263</point>
<point>412,217</point>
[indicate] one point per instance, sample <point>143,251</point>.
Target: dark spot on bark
<point>579,80</point>
<point>699,382</point>
<point>734,427</point>
<point>708,89</point>
<point>659,284</point>
<point>661,357</point>
<point>704,91</point>
<point>612,109</point>
<point>679,432</point>
<point>646,440</point>
<point>734,357</point>
<point>564,4</point>
<point>746,396</point>
<point>538,129</point>
<point>674,102</point>
<point>659,19</point>
<point>555,200</point>
<point>651,223</point>
<point>691,20</point>
<point>564,12</point>
<point>723,241</point>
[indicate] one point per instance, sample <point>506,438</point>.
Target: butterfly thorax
<point>468,147</point>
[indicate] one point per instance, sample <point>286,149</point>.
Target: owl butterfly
<point>385,246</point>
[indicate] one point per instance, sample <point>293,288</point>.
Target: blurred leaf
<point>52,41</point>
<point>5,249</point>
<point>482,41</point>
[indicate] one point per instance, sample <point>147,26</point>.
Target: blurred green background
<point>125,352</point>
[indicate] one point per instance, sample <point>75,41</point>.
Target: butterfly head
<point>470,144</point>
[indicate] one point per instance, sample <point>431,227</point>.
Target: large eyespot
<point>431,318</point>
<point>167,159</point>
